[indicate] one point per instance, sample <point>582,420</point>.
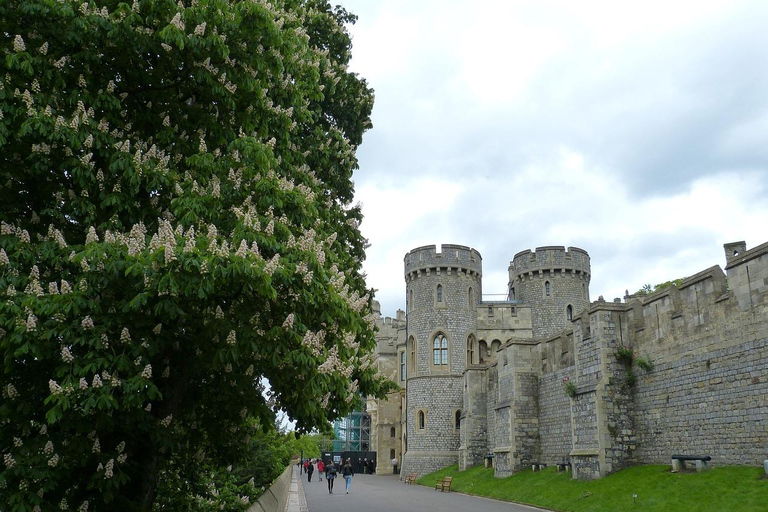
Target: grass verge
<point>731,489</point>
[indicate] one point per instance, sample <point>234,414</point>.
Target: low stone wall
<point>275,498</point>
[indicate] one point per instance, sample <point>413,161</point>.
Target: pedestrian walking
<point>320,469</point>
<point>348,474</point>
<point>310,470</point>
<point>330,475</point>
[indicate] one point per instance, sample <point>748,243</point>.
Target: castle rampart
<point>679,370</point>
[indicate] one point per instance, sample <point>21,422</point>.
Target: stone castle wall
<point>707,390</point>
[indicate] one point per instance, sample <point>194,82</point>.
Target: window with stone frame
<point>471,350</point>
<point>412,360</point>
<point>440,350</point>
<point>471,298</point>
<point>569,312</point>
<point>421,420</point>
<point>439,293</point>
<point>547,288</point>
<point>457,420</point>
<point>402,365</point>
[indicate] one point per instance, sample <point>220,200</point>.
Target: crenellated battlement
<point>458,258</point>
<point>550,376</point>
<point>551,259</point>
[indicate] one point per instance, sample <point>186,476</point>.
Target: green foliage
<point>570,389</point>
<point>737,489</point>
<point>306,445</point>
<point>627,357</point>
<point>645,364</point>
<point>176,232</point>
<point>647,289</point>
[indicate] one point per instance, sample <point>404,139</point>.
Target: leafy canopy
<point>175,231</point>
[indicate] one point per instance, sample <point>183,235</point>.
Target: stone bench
<point>538,466</point>
<point>678,462</point>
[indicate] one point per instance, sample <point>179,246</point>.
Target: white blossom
<point>66,355</point>
<point>109,468</point>
<point>31,324</point>
<point>87,323</point>
<point>18,44</point>
<point>54,387</point>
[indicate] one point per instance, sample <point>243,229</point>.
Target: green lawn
<point>723,489</point>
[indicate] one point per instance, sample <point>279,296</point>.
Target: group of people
<point>365,466</point>
<point>330,470</point>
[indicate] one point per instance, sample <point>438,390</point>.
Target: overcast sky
<point>637,131</point>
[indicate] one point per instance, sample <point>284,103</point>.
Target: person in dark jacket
<point>348,473</point>
<point>310,470</point>
<point>330,475</point>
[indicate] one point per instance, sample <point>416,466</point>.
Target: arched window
<point>512,293</point>
<point>392,432</point>
<point>422,420</point>
<point>495,346</point>
<point>483,348</point>
<point>569,312</point>
<point>402,365</point>
<point>439,293</point>
<point>410,301</point>
<point>391,453</point>
<point>547,289</point>
<point>471,298</point>
<point>457,420</point>
<point>440,350</point>
<point>471,350</point>
<point>412,361</point>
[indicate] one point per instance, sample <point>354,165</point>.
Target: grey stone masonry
<point>554,282</point>
<point>601,385</point>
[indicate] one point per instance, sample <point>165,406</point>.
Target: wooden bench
<point>678,462</point>
<point>563,466</point>
<point>444,485</point>
<point>410,479</point>
<point>538,466</point>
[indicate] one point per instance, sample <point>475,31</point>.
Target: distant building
<point>546,376</point>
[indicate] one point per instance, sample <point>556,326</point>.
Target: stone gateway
<point>548,377</point>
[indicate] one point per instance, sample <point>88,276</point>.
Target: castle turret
<point>442,293</point>
<point>554,282</point>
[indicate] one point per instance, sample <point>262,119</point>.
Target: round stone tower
<point>554,282</point>
<point>443,290</point>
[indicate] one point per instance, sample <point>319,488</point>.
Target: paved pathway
<point>385,493</point>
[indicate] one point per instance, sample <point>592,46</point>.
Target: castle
<point>549,377</point>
